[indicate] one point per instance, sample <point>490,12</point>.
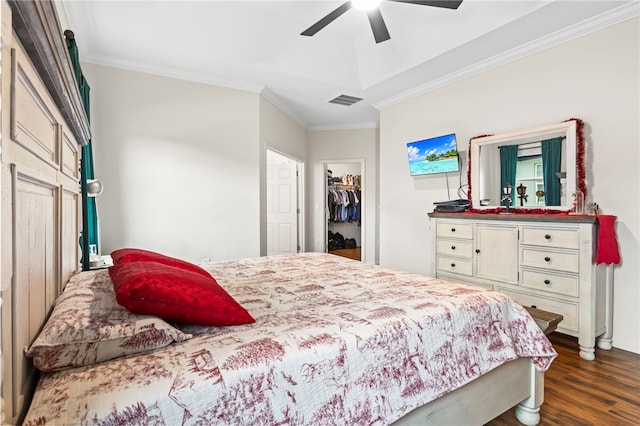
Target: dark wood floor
<point>353,253</point>
<point>578,392</point>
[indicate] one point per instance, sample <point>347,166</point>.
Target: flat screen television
<point>433,155</point>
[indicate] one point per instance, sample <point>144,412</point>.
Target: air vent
<point>345,100</point>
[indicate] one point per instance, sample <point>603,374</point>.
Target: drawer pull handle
<point>547,237</point>
<point>548,259</point>
<point>453,229</point>
<point>547,282</point>
<point>534,306</point>
<point>478,251</point>
<point>453,247</point>
<point>453,265</point>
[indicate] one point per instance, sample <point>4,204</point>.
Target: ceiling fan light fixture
<point>365,4</point>
<point>378,26</point>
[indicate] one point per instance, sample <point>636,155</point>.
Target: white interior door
<point>282,209</point>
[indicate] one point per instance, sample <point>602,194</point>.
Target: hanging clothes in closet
<point>343,203</point>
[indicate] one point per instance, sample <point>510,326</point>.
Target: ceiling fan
<point>378,26</point>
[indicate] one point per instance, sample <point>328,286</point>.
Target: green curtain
<point>89,211</point>
<point>551,158</point>
<point>508,165</point>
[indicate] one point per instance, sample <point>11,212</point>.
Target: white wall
<point>595,78</point>
<point>330,146</point>
<point>180,163</point>
<point>280,134</point>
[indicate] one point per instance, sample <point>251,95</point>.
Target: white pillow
<point>88,326</point>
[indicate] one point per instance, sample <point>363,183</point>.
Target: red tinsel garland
<point>580,155</point>
<point>469,173</point>
<point>517,210</point>
<point>579,170</point>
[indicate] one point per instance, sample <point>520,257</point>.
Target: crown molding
<point>175,73</point>
<point>268,94</point>
<point>607,19</point>
<point>180,74</point>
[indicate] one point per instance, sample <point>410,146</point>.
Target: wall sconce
<point>94,188</point>
<point>90,258</point>
<point>522,194</point>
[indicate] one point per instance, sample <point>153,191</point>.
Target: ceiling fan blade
<point>380,32</point>
<point>449,4</point>
<point>327,19</point>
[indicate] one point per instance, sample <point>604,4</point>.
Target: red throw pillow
<point>127,255</point>
<point>175,294</point>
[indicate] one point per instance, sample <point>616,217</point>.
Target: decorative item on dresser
<point>542,261</point>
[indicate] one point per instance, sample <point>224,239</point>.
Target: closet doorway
<point>344,212</point>
<point>284,204</point>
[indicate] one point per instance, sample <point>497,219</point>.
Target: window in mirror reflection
<point>529,174</point>
<point>530,170</point>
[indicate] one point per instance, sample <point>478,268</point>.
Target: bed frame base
<point>515,383</point>
<point>528,416</point>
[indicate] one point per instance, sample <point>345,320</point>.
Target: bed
<point>335,341</point>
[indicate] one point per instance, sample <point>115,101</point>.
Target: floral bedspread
<point>335,342</point>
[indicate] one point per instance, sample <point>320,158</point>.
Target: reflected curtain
<point>89,211</point>
<point>508,165</point>
<point>551,159</point>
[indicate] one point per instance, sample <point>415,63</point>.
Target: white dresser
<point>542,261</point>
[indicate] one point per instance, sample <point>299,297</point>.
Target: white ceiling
<point>257,46</point>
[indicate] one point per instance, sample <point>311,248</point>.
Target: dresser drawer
<point>568,310</point>
<point>554,260</point>
<point>454,247</point>
<point>454,230</point>
<point>551,237</point>
<point>548,281</point>
<point>455,265</point>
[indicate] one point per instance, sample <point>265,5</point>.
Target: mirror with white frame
<point>559,146</point>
